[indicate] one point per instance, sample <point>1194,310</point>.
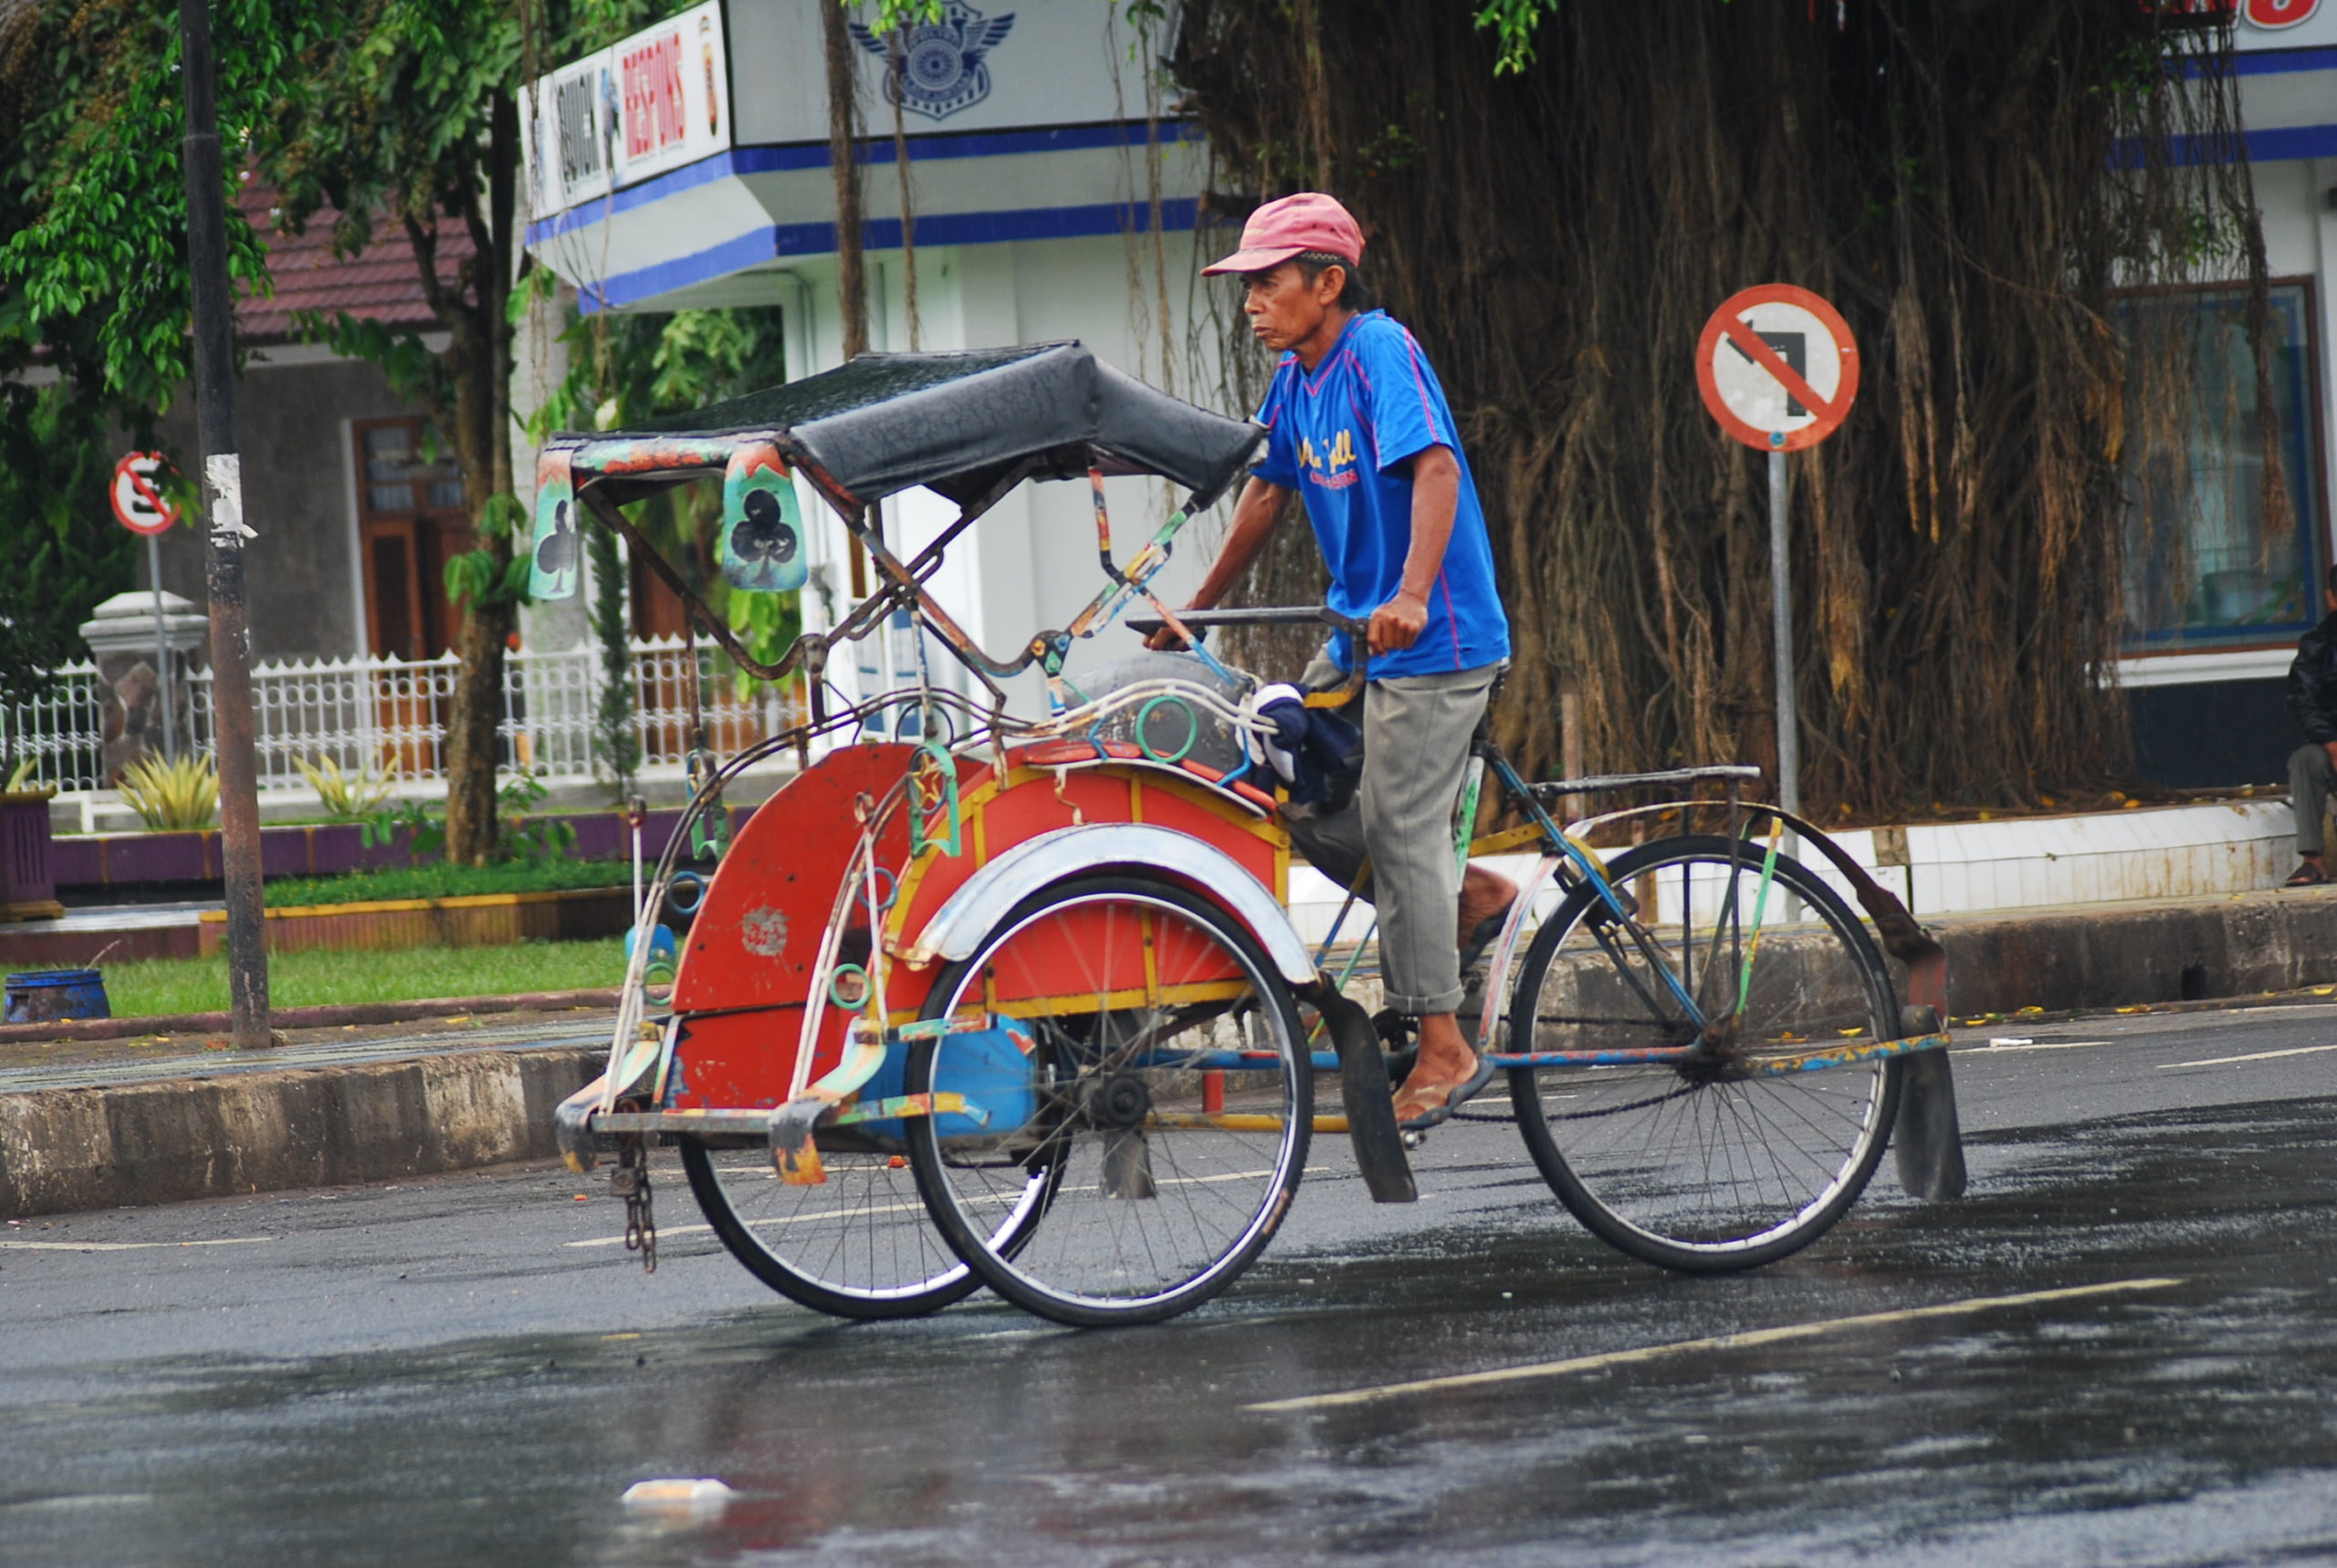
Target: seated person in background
<point>2312,766</point>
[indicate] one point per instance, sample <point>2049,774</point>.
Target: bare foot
<point>1445,1062</point>
<point>1484,895</point>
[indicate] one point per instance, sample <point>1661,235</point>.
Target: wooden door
<point>410,522</point>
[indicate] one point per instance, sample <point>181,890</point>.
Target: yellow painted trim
<point>412,906</point>
<point>1150,996</point>
<point>1138,774</point>
<point>1505,840</point>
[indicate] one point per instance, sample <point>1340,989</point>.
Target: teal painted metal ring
<point>837,975</point>
<point>1192,728</point>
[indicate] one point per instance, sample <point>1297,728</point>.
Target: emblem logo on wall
<point>940,67</point>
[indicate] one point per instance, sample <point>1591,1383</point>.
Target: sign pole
<point>1781,630</point>
<point>161,646</point>
<point>1778,369</point>
<point>223,492</point>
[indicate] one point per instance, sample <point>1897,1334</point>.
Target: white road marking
<point>1993,1047</point>
<point>1717,1341</point>
<point>127,1245</point>
<point>2251,1056</point>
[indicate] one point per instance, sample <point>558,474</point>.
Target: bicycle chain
<point>630,1181</point>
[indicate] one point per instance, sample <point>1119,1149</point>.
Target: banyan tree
<point>1973,183</point>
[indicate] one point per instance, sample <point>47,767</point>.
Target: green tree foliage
<point>64,551</point>
<point>401,113</point>
<point>86,299</point>
<point>98,244</point>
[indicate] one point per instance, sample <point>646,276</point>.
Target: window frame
<point>2322,533</point>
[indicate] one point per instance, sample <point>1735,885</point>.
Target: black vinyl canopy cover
<point>955,422</point>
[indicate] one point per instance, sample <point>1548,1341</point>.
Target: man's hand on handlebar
<point>1396,625</point>
<point>1165,640</point>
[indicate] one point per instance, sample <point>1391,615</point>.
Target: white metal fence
<point>389,716</point>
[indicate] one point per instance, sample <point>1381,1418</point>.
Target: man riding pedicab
<point>1361,430</point>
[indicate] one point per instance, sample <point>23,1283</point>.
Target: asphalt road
<point>465,1370</point>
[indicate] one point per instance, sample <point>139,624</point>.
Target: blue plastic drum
<point>45,996</point>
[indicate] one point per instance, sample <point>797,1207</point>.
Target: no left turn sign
<point>1777,368</point>
<point>138,494</point>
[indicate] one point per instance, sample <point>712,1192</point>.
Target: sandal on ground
<point>1436,1108</point>
<point>2307,876</point>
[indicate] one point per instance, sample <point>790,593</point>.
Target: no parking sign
<point>137,494</point>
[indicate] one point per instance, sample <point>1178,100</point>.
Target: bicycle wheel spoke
<point>1153,1206</point>
<point>1704,1163</point>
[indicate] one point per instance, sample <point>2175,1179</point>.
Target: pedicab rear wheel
<point>1123,985</point>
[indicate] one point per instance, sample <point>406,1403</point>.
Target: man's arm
<point>1436,494</point>
<point>1256,516</point>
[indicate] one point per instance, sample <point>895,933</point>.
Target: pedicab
<point>983,999</point>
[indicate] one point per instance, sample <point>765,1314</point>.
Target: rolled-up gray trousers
<point>1416,733</point>
<point>2312,775</point>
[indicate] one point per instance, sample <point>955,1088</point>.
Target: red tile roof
<point>382,284</point>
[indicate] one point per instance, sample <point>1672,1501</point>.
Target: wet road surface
<point>464,1370</point>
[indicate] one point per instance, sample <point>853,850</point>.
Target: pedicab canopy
<point>958,423</point>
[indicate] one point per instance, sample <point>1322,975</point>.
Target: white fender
<point>974,910</point>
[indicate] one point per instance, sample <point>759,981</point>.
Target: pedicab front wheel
<point>1084,1028</point>
<point>1739,1156</point>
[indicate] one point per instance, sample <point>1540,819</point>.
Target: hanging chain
<point>630,1181</point>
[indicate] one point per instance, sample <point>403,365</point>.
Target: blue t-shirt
<point>1340,438</point>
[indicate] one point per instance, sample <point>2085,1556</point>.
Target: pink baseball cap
<point>1292,226</point>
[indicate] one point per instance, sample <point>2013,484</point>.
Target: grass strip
<point>148,988</point>
<point>438,880</point>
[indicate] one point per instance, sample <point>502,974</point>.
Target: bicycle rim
<point>1722,1164</point>
<point>858,1245</point>
<point>1159,1191</point>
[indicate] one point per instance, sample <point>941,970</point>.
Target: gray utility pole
<point>1781,633</point>
<point>223,495</point>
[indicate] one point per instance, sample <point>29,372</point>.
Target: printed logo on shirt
<point>1334,470</point>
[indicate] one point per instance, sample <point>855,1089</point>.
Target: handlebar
<point>1265,615</point>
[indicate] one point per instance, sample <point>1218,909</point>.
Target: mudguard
<point>975,909</point>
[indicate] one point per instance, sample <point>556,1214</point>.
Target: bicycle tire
<point>859,1245</point>
<point>1715,1168</point>
<point>1109,1106</point>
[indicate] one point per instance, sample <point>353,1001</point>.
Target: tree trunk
<point>479,359</point>
<point>844,157</point>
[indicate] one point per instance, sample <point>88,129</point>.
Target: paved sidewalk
<point>27,1066</point>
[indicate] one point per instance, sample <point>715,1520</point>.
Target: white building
<point>689,167</point>
<point>2216,599</point>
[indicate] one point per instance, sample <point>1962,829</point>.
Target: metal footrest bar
<point>1816,1059</point>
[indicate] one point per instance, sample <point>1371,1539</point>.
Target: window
<point>2207,564</point>
<point>410,522</point>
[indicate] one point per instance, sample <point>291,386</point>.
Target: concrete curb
<point>2085,960</point>
<point>71,1150</point>
<point>329,1015</point>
